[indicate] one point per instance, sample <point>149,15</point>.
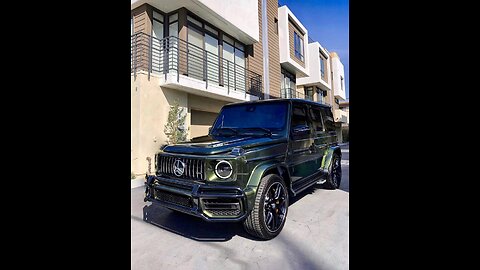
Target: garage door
<point>200,122</point>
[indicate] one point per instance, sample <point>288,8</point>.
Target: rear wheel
<point>334,173</point>
<point>270,210</point>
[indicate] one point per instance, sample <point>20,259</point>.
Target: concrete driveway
<point>315,236</point>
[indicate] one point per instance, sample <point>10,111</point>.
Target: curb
<point>137,183</point>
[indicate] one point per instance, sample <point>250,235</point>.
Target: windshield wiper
<point>217,130</point>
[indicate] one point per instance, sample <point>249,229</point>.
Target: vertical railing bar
<point>228,77</point>
<point>205,69</point>
<point>135,58</point>
<point>150,54</point>
<point>178,59</point>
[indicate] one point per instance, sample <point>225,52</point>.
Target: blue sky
<point>327,23</point>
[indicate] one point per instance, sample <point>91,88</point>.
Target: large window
<point>309,93</point>
<point>173,42</point>
<point>298,44</point>
<point>157,48</point>
<point>322,68</point>
<point>288,85</point>
<point>320,96</point>
<point>234,70</point>
<point>206,38</point>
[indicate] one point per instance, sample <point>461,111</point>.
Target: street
<point>315,236</point>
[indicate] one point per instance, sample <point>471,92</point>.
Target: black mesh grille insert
<point>173,198</point>
<point>222,207</point>
<point>220,212</point>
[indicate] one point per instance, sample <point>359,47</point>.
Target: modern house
<point>345,107</point>
<point>294,56</point>
<point>203,54</point>
<point>338,92</point>
<point>316,86</point>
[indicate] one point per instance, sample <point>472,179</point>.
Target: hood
<point>208,145</point>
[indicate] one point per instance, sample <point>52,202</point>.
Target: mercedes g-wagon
<point>256,156</point>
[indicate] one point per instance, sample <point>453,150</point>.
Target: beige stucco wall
<point>150,104</point>
<point>201,122</point>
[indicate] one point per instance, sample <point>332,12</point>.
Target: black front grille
<point>194,168</point>
<point>173,198</point>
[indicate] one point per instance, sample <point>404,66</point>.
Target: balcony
<point>316,78</point>
<point>239,20</point>
<point>189,68</point>
<point>292,93</point>
<point>288,24</point>
<point>340,116</point>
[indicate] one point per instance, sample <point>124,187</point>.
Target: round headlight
<point>223,169</point>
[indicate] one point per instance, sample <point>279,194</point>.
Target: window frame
<point>297,39</point>
<point>319,109</point>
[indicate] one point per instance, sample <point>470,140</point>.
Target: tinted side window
<point>328,119</point>
<point>316,116</point>
<point>299,116</point>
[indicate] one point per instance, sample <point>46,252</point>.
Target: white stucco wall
<point>243,14</point>
<point>284,40</point>
<point>314,77</point>
<point>237,18</point>
<point>338,72</point>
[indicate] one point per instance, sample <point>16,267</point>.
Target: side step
<point>301,185</point>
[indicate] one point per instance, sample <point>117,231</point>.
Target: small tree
<point>175,127</point>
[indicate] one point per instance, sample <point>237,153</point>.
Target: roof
<point>298,100</point>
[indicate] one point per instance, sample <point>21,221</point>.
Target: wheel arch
<point>265,168</point>
<point>327,160</point>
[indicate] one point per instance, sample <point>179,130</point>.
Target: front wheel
<point>270,210</point>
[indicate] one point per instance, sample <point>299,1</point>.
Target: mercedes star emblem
<point>178,167</point>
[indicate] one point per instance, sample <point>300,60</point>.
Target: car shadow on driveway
<point>200,230</point>
<point>193,227</point>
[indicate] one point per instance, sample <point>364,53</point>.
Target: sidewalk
<point>138,182</point>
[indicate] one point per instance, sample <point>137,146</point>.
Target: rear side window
<point>316,116</point>
<point>328,119</point>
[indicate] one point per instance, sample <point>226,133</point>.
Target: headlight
<point>223,169</point>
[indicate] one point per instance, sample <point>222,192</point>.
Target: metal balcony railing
<point>171,54</point>
<point>292,93</point>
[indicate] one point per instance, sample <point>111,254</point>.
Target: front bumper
<point>209,202</point>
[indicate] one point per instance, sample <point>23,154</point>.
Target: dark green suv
<point>256,157</point>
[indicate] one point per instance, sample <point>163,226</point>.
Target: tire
<point>267,220</point>
<point>334,173</point>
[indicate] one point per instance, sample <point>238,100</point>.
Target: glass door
<point>157,36</point>
<point>211,46</point>
<point>195,53</point>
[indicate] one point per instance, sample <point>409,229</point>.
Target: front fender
<point>327,160</point>
<point>254,180</point>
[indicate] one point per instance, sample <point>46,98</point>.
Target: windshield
<point>262,117</point>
